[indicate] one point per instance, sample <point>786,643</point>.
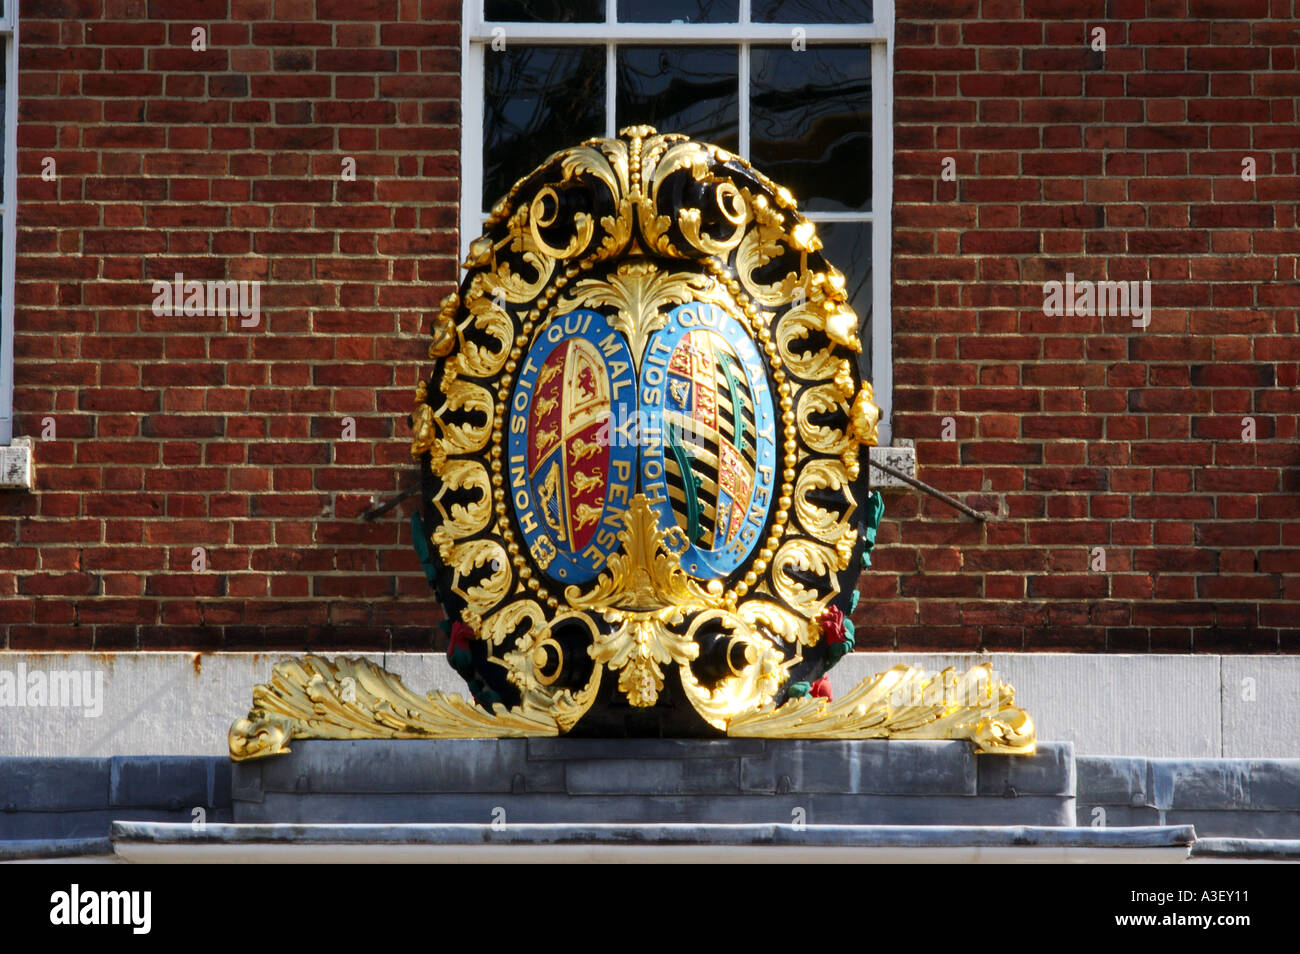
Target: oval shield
<point>709,448</point>
<point>570,471</point>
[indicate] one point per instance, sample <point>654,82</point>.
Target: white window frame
<point>477,37</point>
<point>8,219</point>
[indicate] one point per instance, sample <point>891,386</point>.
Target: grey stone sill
<point>839,836</point>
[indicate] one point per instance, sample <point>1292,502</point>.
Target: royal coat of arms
<point>644,481</point>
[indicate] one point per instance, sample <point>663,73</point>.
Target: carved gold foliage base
<point>906,703</point>
<point>313,698</point>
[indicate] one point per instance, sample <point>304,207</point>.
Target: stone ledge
<point>1244,798</point>
<point>639,809</point>
<point>666,843</point>
<point>35,849</point>
<point>172,782</point>
<point>668,834</point>
<point>78,798</point>
<point>1257,849</point>
<point>1191,784</point>
<point>53,785</point>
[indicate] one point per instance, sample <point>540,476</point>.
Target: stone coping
<point>35,849</point>
<point>1254,849</point>
<point>892,836</point>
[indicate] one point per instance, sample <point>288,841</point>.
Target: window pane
<point>811,11</point>
<point>810,123</point>
<point>686,11</point>
<point>545,11</point>
<point>847,246</point>
<point>537,100</point>
<point>683,89</point>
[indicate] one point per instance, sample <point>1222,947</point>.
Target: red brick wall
<point>180,432</point>
<point>1088,432</point>
<point>174,433</point>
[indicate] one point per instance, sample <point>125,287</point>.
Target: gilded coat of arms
<point>645,499</point>
<point>642,439</point>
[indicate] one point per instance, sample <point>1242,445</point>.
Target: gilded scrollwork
<point>536,663</point>
<point>819,400</point>
<point>765,616</point>
<point>792,333</point>
<point>507,620</point>
<point>481,574</point>
<point>466,516</point>
<point>463,434</point>
<point>486,316</point>
<point>768,241</point>
<point>823,475</point>
<point>799,561</point>
<point>754,683</point>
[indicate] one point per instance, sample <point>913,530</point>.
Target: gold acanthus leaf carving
<point>353,698</point>
<point>486,315</point>
<point>461,437</point>
<point>640,292</point>
<point>733,206</point>
<point>544,213</point>
<point>521,663</point>
<point>609,165</point>
<point>460,474</point>
<point>822,399</point>
<point>678,156</point>
<point>765,241</point>
<point>764,615</point>
<point>638,647</point>
<point>822,474</point>
<point>810,557</point>
<point>466,558</point>
<point>905,703</point>
<point>792,332</point>
<point>509,618</point>
<point>646,574</point>
<point>568,706</point>
<point>500,278</point>
<point>645,594</point>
